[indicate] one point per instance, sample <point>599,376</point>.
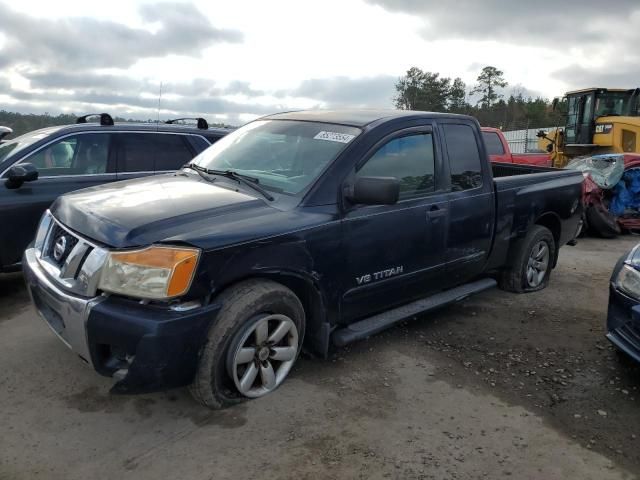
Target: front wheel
<point>252,344</point>
<point>530,262</point>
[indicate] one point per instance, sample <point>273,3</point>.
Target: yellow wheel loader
<point>598,120</point>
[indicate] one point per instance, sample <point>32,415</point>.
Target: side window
<point>148,152</point>
<point>493,143</point>
<point>171,152</point>
<point>84,154</point>
<point>464,157</point>
<point>135,152</point>
<point>586,113</point>
<point>213,138</point>
<point>410,159</point>
<point>198,143</point>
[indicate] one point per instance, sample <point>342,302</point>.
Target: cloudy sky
<point>235,60</point>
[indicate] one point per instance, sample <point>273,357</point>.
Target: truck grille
<point>71,261</point>
<point>60,244</point>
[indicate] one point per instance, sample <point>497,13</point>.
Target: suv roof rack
<point>202,123</point>
<point>105,119</point>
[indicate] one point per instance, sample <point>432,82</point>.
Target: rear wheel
<point>252,344</point>
<point>602,222</point>
<point>530,262</point>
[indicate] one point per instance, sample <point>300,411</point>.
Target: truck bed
<point>524,193</point>
<point>511,169</point>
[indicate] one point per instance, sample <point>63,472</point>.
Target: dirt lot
<point>501,386</point>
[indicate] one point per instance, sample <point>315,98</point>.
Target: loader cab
<point>584,107</point>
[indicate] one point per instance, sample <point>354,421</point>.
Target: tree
<point>458,97</point>
<point>419,90</point>
<point>489,80</point>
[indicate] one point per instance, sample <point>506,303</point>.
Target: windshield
<point>9,148</point>
<point>614,103</point>
<point>285,156</point>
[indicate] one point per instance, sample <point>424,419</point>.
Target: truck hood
<point>164,208</point>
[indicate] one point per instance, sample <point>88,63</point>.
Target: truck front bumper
<point>143,347</point>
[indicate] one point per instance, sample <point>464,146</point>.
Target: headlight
<point>628,281</point>
<point>604,127</point>
<point>152,273</point>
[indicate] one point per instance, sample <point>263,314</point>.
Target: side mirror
<point>375,191</point>
<point>18,174</point>
<point>4,131</point>
<point>554,104</point>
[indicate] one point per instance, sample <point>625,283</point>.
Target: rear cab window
<point>493,143</point>
<point>465,165</point>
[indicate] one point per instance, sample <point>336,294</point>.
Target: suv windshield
<point>285,156</point>
<point>13,146</point>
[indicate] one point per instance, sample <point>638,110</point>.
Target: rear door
<point>135,154</point>
<point>172,152</point>
<point>142,154</point>
<point>394,253</point>
<point>580,123</point>
<point>70,163</point>
<point>471,203</point>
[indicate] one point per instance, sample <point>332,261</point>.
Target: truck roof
<point>356,118</point>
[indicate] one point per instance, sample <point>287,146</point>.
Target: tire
<point>516,277</point>
<point>584,229</point>
<point>245,307</point>
<point>601,222</point>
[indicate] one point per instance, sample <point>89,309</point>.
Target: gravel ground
<point>500,386</point>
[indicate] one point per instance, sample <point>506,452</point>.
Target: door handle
<point>435,211</point>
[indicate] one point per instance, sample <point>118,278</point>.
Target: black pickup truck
<point>299,229</point>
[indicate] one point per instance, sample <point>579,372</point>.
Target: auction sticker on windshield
<point>334,137</point>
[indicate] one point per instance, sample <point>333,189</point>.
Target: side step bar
<point>372,325</point>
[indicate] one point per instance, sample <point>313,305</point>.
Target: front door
<point>394,253</point>
<point>71,163</point>
<point>579,128</point>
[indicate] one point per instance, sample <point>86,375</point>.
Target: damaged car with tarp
<point>610,193</point>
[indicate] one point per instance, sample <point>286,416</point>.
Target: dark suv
<point>71,157</point>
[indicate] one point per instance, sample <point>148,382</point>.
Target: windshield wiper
<point>198,170</point>
<point>244,179</point>
<point>251,182</point>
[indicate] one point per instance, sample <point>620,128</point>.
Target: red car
<point>499,151</point>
